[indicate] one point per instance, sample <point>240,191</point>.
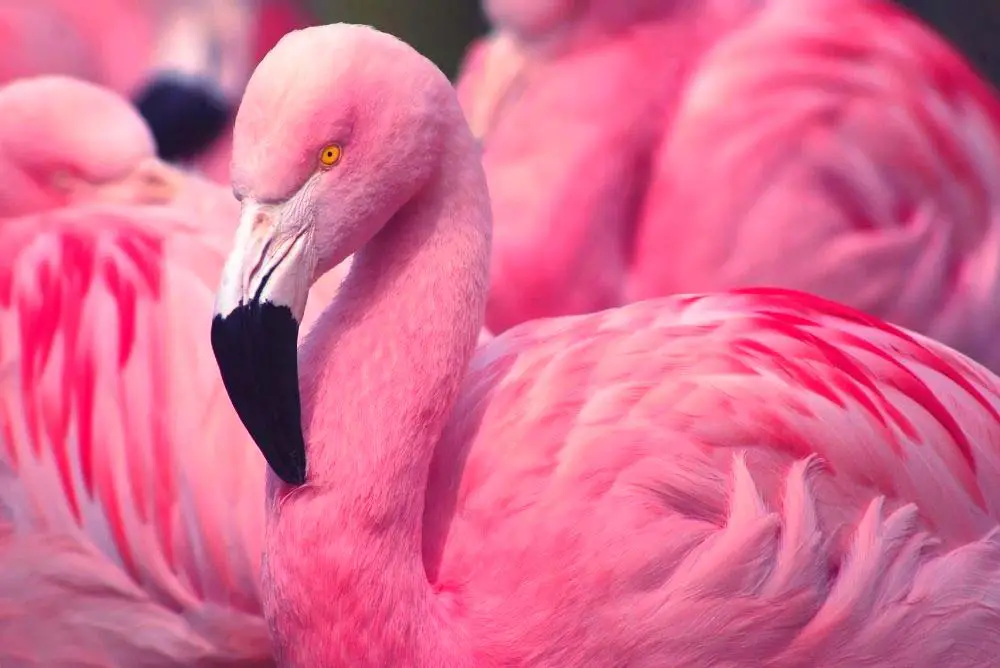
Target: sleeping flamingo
<point>129,530</point>
<point>64,141</point>
<point>569,99</point>
<point>859,167</point>
<point>758,477</point>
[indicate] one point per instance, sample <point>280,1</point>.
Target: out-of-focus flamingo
<point>570,99</point>
<point>129,530</point>
<point>751,478</point>
<point>839,147</point>
<point>64,141</point>
<point>35,40</point>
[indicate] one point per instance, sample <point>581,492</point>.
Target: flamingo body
<point>568,161</point>
<point>754,477</point>
<point>858,153</point>
<point>687,491</point>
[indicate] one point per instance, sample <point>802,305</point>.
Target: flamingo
<point>64,141</point>
<point>569,100</point>
<point>880,213</point>
<point>754,477</point>
<point>860,156</point>
<point>34,40</point>
<point>129,533</point>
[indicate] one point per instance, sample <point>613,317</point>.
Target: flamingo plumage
<point>790,105</point>
<point>108,255</point>
<point>35,40</point>
<point>569,100</point>
<point>859,154</point>
<point>754,477</point>
<point>129,534</point>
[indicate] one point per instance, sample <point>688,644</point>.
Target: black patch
<point>185,115</point>
<point>255,348</point>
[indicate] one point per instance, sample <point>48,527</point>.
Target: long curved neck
<point>345,583</point>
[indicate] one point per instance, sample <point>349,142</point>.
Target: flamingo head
<point>64,141</point>
<point>339,128</point>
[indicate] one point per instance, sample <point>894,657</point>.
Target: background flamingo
<point>69,143</point>
<point>640,486</point>
<point>34,40</point>
<point>567,163</point>
<point>134,534</point>
<point>64,141</point>
<point>890,208</point>
<point>129,534</point>
<point>859,157</point>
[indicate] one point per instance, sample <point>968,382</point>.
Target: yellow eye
<point>330,155</point>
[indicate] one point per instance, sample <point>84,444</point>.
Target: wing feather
<point>116,429</point>
<point>782,374</point>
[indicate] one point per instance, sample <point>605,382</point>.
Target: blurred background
<point>442,29</point>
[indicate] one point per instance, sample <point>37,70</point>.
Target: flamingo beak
<point>255,331</point>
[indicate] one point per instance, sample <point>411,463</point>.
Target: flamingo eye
<point>330,155</point>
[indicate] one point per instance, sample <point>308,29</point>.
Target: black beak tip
<point>185,115</point>
<point>255,347</point>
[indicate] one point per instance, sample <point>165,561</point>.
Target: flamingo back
<point>710,464</point>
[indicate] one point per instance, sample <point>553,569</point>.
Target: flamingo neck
<point>344,580</point>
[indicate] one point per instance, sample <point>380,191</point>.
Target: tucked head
<point>64,140</point>
<point>340,127</point>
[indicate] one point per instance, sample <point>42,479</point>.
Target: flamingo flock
<point>741,261</point>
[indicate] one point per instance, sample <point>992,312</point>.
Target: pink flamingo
<point>34,40</point>
<point>64,141</point>
<point>750,478</point>
<point>129,534</point>
<point>860,158</point>
<point>881,214</point>
<point>570,99</point>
